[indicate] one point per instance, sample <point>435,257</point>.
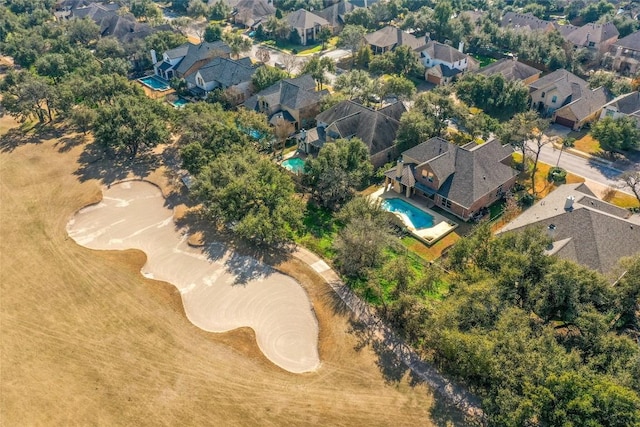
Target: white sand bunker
<point>220,290</point>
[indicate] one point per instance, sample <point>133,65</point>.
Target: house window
<point>499,191</point>
<point>609,113</point>
<point>542,95</point>
<point>200,81</point>
<point>592,44</point>
<point>446,203</point>
<point>554,99</point>
<point>428,175</point>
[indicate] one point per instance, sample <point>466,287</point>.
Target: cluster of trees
<point>494,95</point>
<point>358,84</point>
<point>616,134</point>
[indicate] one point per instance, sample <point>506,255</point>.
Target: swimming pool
<point>416,217</point>
<point>294,164</point>
<point>155,83</point>
<point>179,103</point>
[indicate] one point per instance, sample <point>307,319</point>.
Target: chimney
<point>154,57</point>
<point>461,47</point>
<point>551,231</point>
<point>427,37</point>
<point>303,135</point>
<point>568,204</point>
<point>399,168</point>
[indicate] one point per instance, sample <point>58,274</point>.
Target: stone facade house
<point>624,105</point>
<point>349,119</point>
<point>233,76</point>
<point>585,109</point>
<point>460,179</point>
<point>295,100</point>
<point>443,62</point>
<point>389,38</point>
<point>626,54</point>
<point>185,59</point>
<point>307,24</point>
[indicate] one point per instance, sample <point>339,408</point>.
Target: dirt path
<point>456,394</point>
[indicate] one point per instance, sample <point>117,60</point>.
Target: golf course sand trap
<point>220,289</point>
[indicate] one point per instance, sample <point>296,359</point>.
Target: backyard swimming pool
<point>155,83</point>
<point>179,103</point>
<point>417,218</point>
<point>294,164</point>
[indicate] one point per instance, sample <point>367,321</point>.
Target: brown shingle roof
<point>392,37</point>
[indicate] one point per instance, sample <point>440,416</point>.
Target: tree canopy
<point>252,194</point>
<point>617,134</point>
<point>341,166</point>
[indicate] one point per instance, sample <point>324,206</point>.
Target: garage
<point>565,122</point>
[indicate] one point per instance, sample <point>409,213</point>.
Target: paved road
<point>589,169</point>
<point>382,334</point>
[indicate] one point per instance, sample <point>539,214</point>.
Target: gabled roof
<point>442,70</point>
<point>587,104</point>
<point>511,70</point>
<point>443,52</point>
<point>632,41</point>
<point>593,233</point>
<point>524,21</point>
<point>628,103</point>
<point>252,11</point>
<point>335,13</point>
<point>392,37</point>
<point>466,173</point>
<point>293,93</point>
<point>377,129</point>
<point>569,86</point>
<point>226,71</point>
<point>596,33</point>
<point>304,19</point>
<point>192,53</point>
<point>95,11</point>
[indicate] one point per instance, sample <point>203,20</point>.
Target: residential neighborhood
<point>249,212</point>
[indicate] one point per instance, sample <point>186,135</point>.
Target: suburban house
<point>626,54</point>
<point>525,21</point>
<point>460,179</point>
<point>512,70</point>
<point>296,100</point>
<point>596,37</point>
<point>443,62</point>
<point>583,228</point>
<point>307,24</point>
<point>349,119</point>
<point>233,76</point>
<point>183,60</point>
<point>567,98</point>
<point>335,13</point>
<point>624,105</point>
<point>252,13</point>
<point>389,38</point>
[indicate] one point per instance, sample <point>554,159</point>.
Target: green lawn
<point>484,60</point>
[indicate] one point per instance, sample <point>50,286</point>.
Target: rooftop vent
<point>568,204</point>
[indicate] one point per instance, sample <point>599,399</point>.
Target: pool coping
<point>429,236</point>
<point>151,87</point>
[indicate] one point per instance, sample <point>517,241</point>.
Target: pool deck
<point>441,225</point>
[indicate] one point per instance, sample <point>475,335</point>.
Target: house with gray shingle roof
<point>335,14</point>
<point>187,58</point>
<point>584,229</point>
<point>389,38</point>
<point>296,100</point>
<point>349,119</point>
<point>596,37</point>
<point>554,90</point>
<point>233,76</point>
<point>252,13</point>
<point>307,24</point>
<point>583,110</point>
<point>624,105</point>
<point>443,62</point>
<point>626,54</point>
<point>512,70</point>
<point>460,179</point>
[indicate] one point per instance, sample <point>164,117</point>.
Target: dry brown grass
<point>621,199</point>
<point>587,144</point>
<point>86,340</point>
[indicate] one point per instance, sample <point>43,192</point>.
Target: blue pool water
<point>419,219</point>
<point>155,83</point>
<point>179,103</point>
<point>294,164</point>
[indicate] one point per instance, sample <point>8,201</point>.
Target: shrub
<point>526,200</point>
<point>557,175</point>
